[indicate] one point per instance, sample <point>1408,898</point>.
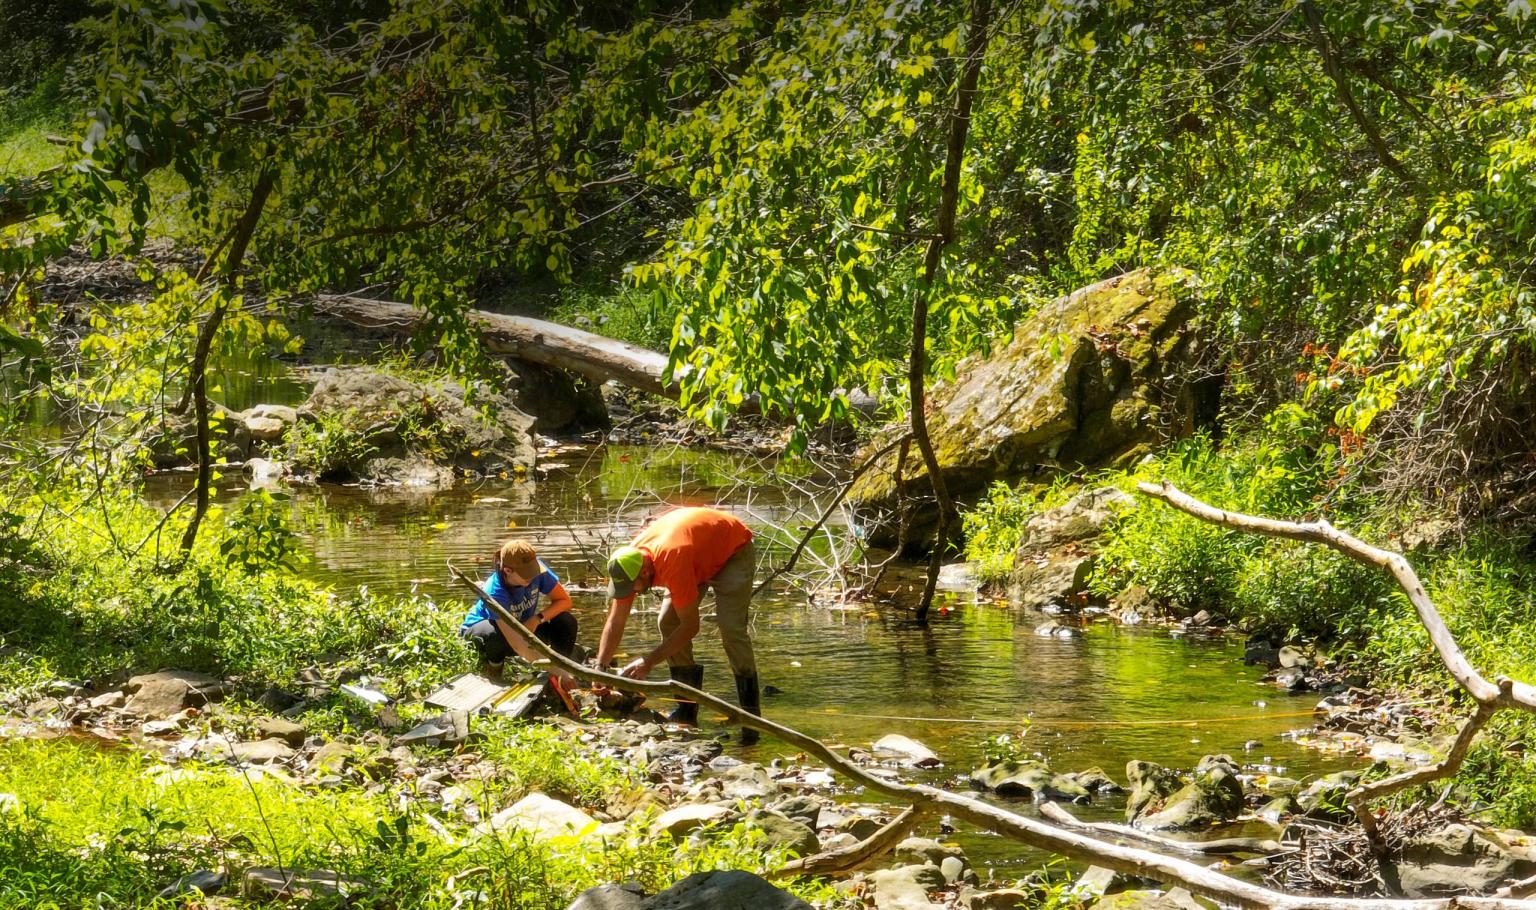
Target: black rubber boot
<point>749,698</point>
<point>687,712</point>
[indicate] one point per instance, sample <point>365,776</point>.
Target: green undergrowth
<point>92,586</point>
<point>1483,582</point>
<point>83,826</point>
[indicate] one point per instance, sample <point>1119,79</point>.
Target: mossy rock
<point>1094,378</point>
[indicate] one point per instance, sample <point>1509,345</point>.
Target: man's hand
<point>636,669</point>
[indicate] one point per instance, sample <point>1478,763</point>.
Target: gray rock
<point>803,809</point>
<point>628,896</point>
<point>925,851</point>
<point>729,890</point>
<point>952,868</point>
<point>1262,653</point>
<point>1325,797</point>
<point>170,691</point>
<point>1150,784</point>
<point>1039,580</point>
<point>1016,778</point>
<point>1292,657</point>
<point>279,728</point>
<point>446,729</point>
<point>335,757</point>
<point>261,752</point>
<point>390,416</point>
<point>783,831</point>
<point>907,752</point>
<point>748,781</point>
<point>1096,781</point>
<point>540,816</point>
<point>1456,859</point>
<point>43,707</point>
<point>262,882</point>
<point>860,826</point>
<point>680,821</point>
<point>906,887</point>
<point>1004,899</point>
<point>1136,900</point>
<point>113,699</point>
<point>1118,378</point>
<point>203,881</point>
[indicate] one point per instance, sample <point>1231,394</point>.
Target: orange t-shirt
<point>687,547</point>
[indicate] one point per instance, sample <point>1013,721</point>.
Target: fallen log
<point>535,340</point>
<point>1042,835</point>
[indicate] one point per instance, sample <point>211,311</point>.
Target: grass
<point>89,826</point>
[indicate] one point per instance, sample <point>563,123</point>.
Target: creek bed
<point>846,675</point>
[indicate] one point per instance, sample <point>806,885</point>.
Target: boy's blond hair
<point>518,557</point>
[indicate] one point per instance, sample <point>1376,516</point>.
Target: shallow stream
<point>848,675</point>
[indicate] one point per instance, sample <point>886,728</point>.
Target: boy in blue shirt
<point>520,582</point>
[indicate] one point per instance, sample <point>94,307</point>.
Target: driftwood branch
<point>1224,846</point>
<point>1489,695</point>
<point>855,856</point>
<point>1029,831</point>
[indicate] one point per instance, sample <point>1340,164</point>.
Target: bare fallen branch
<point>1490,695</point>
<point>1033,832</point>
<point>854,856</point>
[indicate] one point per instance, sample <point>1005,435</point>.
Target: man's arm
<point>687,628</point>
<point>613,631</point>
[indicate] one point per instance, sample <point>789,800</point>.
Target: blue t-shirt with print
<point>521,601</point>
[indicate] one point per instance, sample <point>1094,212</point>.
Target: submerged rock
<point>1025,778</point>
<point>1092,378</point>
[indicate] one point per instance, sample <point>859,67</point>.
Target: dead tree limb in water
<point>1033,832</point>
<point>1490,695</point>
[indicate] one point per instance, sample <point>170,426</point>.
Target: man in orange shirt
<point>684,551</point>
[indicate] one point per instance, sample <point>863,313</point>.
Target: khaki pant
<point>733,613</point>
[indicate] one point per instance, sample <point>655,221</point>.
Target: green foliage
<point>1275,588</point>
<point>77,619</point>
<point>259,535</point>
<point>993,528</point>
<point>331,444</point>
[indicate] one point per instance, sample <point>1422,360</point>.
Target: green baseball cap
<point>624,567</point>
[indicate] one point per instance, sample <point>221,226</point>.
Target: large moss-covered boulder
<point>1093,378</point>
<point>361,423</point>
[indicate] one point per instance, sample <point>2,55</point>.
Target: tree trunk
<point>949,200</point>
<point>240,239</point>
